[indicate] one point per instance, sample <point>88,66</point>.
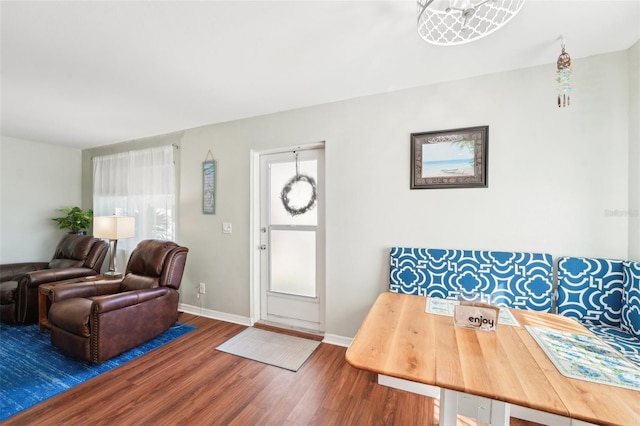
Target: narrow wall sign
<point>209,185</point>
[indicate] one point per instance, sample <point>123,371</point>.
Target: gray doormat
<point>277,349</point>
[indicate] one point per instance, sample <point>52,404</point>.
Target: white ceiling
<point>91,73</point>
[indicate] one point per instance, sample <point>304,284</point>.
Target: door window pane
<point>293,262</point>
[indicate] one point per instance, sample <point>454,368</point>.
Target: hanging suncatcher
<point>563,77</point>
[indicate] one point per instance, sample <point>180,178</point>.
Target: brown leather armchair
<point>76,256</point>
<point>99,320</point>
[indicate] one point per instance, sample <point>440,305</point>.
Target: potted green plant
<point>76,220</point>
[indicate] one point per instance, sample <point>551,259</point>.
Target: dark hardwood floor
<point>188,382</point>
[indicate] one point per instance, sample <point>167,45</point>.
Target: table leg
<point>43,321</point>
<point>42,310</point>
<point>453,403</point>
<point>448,407</point>
<point>500,413</point>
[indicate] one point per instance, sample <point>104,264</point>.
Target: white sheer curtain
<point>141,184</point>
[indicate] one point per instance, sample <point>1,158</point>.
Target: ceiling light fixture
<point>563,77</point>
<point>452,22</point>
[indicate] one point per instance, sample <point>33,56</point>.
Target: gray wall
<point>36,180</point>
<point>634,152</point>
<point>558,179</point>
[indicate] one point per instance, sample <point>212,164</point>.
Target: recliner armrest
<point>113,302</point>
<point>35,278</point>
<point>81,289</point>
<point>9,271</point>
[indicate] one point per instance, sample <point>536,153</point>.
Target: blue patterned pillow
<point>517,280</point>
<point>631,298</point>
<point>590,290</point>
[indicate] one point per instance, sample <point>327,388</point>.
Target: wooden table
<point>44,291</point>
<point>398,339</point>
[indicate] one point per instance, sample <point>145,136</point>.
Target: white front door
<point>292,239</point>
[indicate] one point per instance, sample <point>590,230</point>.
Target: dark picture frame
<point>455,158</point>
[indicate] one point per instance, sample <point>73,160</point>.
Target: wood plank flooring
<point>188,382</point>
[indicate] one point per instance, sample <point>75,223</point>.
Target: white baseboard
<point>217,315</point>
<point>336,340</point>
<point>330,339</point>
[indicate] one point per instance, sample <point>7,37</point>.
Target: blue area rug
<point>31,370</point>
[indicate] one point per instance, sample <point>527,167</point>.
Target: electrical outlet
<point>202,288</point>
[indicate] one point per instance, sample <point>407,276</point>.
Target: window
<point>141,184</point>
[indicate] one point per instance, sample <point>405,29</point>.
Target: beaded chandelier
<point>452,22</point>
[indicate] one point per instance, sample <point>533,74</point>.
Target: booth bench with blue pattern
<point>603,294</point>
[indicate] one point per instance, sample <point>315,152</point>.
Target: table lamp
<point>113,228</point>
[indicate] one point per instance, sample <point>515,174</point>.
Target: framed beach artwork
<point>450,158</point>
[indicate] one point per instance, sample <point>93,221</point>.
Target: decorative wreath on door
<point>298,179</point>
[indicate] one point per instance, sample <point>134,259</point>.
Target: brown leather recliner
<point>76,256</point>
<point>99,320</point>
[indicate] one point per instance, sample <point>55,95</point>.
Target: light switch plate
<point>226,228</point>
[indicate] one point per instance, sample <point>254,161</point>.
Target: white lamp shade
<point>114,227</point>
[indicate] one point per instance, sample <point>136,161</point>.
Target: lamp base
<point>112,275</point>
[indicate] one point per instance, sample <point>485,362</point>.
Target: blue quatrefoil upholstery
<point>590,290</point>
<point>516,280</point>
<point>631,304</point>
<point>604,295</point>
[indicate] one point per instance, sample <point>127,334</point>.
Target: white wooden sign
<point>479,316</point>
